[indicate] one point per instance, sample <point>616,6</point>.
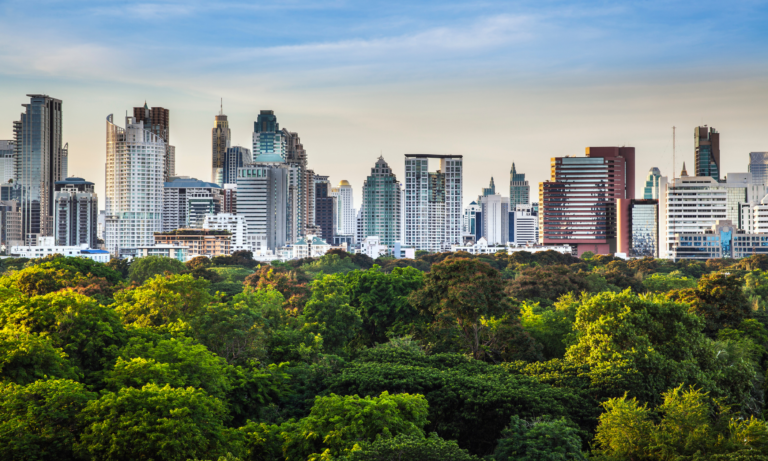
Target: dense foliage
<point>446,357</point>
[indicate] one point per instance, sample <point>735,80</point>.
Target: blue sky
<point>495,81</point>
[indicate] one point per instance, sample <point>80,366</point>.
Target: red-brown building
<point>578,205</point>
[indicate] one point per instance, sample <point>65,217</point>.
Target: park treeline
<point>445,357</point>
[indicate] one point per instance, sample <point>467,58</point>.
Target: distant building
<point>722,240</point>
<point>495,215</point>
<point>177,252</point>
<point>345,208</point>
<point>77,213</point>
<point>310,246</point>
<point>380,212</point>
<point>433,200</point>
<point>238,227</point>
<point>234,158</point>
<point>10,224</point>
<point>262,195</point>
<point>638,228</point>
<point>187,200</point>
<point>325,208</point>
<point>758,166</point>
<point>519,190</point>
<point>650,191</point>
<point>220,140</point>
<point>707,154</point>
<point>523,226</point>
<point>469,220</point>
<point>198,241</point>
<point>481,247</point>
<point>46,246</point>
<point>7,162</point>
<point>157,121</point>
<point>230,199</point>
<point>372,247</point>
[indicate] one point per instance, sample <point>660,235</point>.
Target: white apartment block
<point>495,214</point>
<point>237,226</point>
<point>345,208</point>
<point>433,214</point>
<point>46,246</point>
<point>134,186</point>
<point>371,246</point>
<point>525,226</point>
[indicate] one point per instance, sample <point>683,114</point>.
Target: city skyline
<point>551,77</point>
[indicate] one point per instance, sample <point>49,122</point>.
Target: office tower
<point>523,225</point>
<point>495,215</point>
<point>77,213</point>
<point>233,159</point>
<point>262,192</point>
<point>157,121</point>
<point>7,160</point>
<point>707,155</point>
<point>230,198</point>
<point>325,204</point>
<point>301,185</point>
<point>468,223</point>
<point>758,166</point>
<point>10,224</point>
<point>312,228</point>
<point>187,200</point>
<point>380,213</point>
<point>433,202</point>
<point>638,228</point>
<point>220,141</point>
<point>578,203</point>
<point>134,186</point>
<point>651,184</point>
<point>490,190</point>
<point>345,208</point>
<point>38,152</point>
<point>519,190</point>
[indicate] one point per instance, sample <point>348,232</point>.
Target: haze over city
<point>497,82</point>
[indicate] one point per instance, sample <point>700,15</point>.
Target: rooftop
<point>190,183</point>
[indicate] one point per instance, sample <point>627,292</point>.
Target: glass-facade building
<point>233,159</point>
<point>722,240</point>
<point>519,190</point>
<point>707,154</point>
<point>758,166</point>
<point>652,184</point>
<point>380,214</point>
<point>644,228</point>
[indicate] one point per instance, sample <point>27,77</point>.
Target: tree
<point>120,266</point>
<point>153,423</point>
<point>161,301</point>
<point>467,296</point>
<point>719,299</point>
<point>546,284</point>
<point>329,314</point>
<point>145,268</point>
<point>551,327</point>
<point>293,285</point>
<point>409,447</point>
<point>27,357</point>
<point>336,423</point>
<point>39,421</point>
<point>234,331</point>
<point>662,283</point>
<point>539,440</point>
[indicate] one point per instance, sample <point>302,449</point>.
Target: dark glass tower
<point>707,141</point>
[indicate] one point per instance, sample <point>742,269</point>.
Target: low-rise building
<point>481,247</point>
<point>237,225</point>
<point>203,242</point>
<point>403,252</point>
<point>723,240</point>
<point>177,252</point>
<point>46,246</point>
<point>310,246</point>
<point>372,247</point>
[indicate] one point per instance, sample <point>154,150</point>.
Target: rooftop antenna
<point>221,110</point>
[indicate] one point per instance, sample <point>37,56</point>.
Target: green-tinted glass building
<point>380,214</point>
<point>519,191</point>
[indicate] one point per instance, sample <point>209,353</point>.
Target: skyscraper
<point>758,166</point>
<point>651,184</point>
<point>7,161</point>
<point>519,190</point>
<point>262,192</point>
<point>380,213</point>
<point>495,215</point>
<point>325,205</point>
<point>433,202</point>
<point>490,190</point>
<point>38,152</point>
<point>345,208</point>
<point>234,158</point>
<point>187,200</point>
<point>301,187</point>
<point>157,121</point>
<point>220,140</point>
<point>134,186</point>
<point>578,203</point>
<point>76,214</point>
<point>707,155</point>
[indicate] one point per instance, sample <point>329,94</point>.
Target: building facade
<point>38,151</point>
<point>186,202</point>
<point>199,242</point>
<point>10,224</point>
<point>638,228</point>
<point>519,190</point>
<point>220,141</point>
<point>234,158</point>
<point>157,120</point>
<point>707,153</point>
<point>433,202</point>
<point>237,226</point>
<point>230,198</point>
<point>380,213</point>
<point>77,213</point>
<point>758,166</point>
<point>577,206</point>
<point>262,193</point>
<point>495,215</point>
<point>7,161</point>
<point>46,246</point>
<point>135,173</point>
<point>722,240</point>
<point>345,208</point>
<point>325,208</point>
<point>651,188</point>
<point>523,225</point>
<point>469,220</point>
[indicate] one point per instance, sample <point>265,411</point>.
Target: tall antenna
<point>221,110</point>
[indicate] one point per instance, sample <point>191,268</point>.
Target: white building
<point>761,217</point>
<point>262,198</point>
<point>7,159</point>
<point>134,186</point>
<point>345,208</point>
<point>46,246</point>
<point>310,246</point>
<point>177,252</point>
<point>469,219</point>
<point>495,214</point>
<point>482,247</point>
<point>237,225</point>
<point>433,202</point>
<point>372,247</point>
<point>186,202</point>
<point>524,225</point>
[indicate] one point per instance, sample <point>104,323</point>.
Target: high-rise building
<point>523,225</point>
<point>345,208</point>
<point>220,141</point>
<point>301,185</point>
<point>490,190</point>
<point>234,158</point>
<point>519,190</point>
<point>325,208</point>
<point>638,228</point>
<point>7,161</point>
<point>10,224</point>
<point>38,151</point>
<point>651,184</point>
<point>230,199</point>
<point>758,166</point>
<point>157,121</point>
<point>77,213</point>
<point>469,220</point>
<point>65,161</point>
<point>433,202</point>
<point>262,192</point>
<point>707,155</point>
<point>135,173</point>
<point>578,203</point>
<point>380,213</point>
<point>495,215</point>
<point>186,202</point>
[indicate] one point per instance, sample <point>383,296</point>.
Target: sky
<point>495,81</point>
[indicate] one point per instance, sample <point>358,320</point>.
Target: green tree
<point>552,327</point>
<point>539,440</point>
<point>545,284</point>
<point>329,314</point>
<point>153,423</point>
<point>39,421</point>
<point>234,331</point>
<point>409,447</point>
<point>145,268</point>
<point>27,357</point>
<point>662,283</point>
<point>719,299</point>
<point>121,266</point>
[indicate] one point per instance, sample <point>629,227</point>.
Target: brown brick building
<point>198,241</point>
